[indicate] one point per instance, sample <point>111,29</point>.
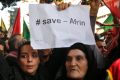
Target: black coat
<point>5,71</point>
<point>18,74</point>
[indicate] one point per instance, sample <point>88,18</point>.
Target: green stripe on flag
<point>109,20</point>
<point>26,33</point>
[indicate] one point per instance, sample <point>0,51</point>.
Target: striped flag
<point>16,27</point>
<point>109,20</point>
<point>114,6</point>
<point>26,33</point>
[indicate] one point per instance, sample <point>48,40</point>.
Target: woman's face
<point>76,64</point>
<point>29,59</point>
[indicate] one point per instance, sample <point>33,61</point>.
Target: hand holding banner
<point>51,28</point>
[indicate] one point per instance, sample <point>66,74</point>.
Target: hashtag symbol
<point>38,22</point>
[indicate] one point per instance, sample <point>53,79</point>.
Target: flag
<point>16,26</point>
<point>107,24</point>
<point>2,27</point>
<point>13,16</point>
<point>12,20</point>
<point>115,70</point>
<point>109,20</point>
<point>114,6</point>
<point>26,33</point>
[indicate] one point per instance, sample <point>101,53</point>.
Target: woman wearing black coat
<point>28,67</point>
<point>80,64</point>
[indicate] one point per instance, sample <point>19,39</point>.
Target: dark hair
<point>48,1</point>
<point>21,45</point>
<point>97,37</point>
<point>11,42</point>
<point>92,65</point>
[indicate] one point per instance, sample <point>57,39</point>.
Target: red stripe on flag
<point>114,6</point>
<point>16,27</point>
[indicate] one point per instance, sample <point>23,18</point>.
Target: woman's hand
<point>94,5</point>
<point>62,5</point>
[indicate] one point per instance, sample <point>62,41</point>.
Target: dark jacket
<point>5,71</point>
<point>18,74</point>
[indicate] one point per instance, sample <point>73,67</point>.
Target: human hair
<point>46,1</point>
<point>92,65</point>
<point>11,42</point>
<point>97,38</point>
<point>20,47</point>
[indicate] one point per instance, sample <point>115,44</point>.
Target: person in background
<point>3,38</point>
<point>2,47</point>
<point>13,43</point>
<point>101,45</point>
<point>5,70</point>
<point>2,35</point>
<point>45,55</point>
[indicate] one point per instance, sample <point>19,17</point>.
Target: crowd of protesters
<point>19,61</point>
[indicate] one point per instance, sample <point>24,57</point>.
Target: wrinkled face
<point>76,64</point>
<point>29,59</point>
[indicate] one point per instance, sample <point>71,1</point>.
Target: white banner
<point>50,28</point>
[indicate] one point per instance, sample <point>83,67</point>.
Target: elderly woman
<point>80,64</point>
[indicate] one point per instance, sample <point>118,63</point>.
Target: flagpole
<point>101,24</point>
<point>116,25</point>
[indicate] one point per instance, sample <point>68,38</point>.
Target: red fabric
<point>16,27</point>
<point>114,31</point>
<point>114,6</point>
<point>115,70</point>
<point>114,38</point>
